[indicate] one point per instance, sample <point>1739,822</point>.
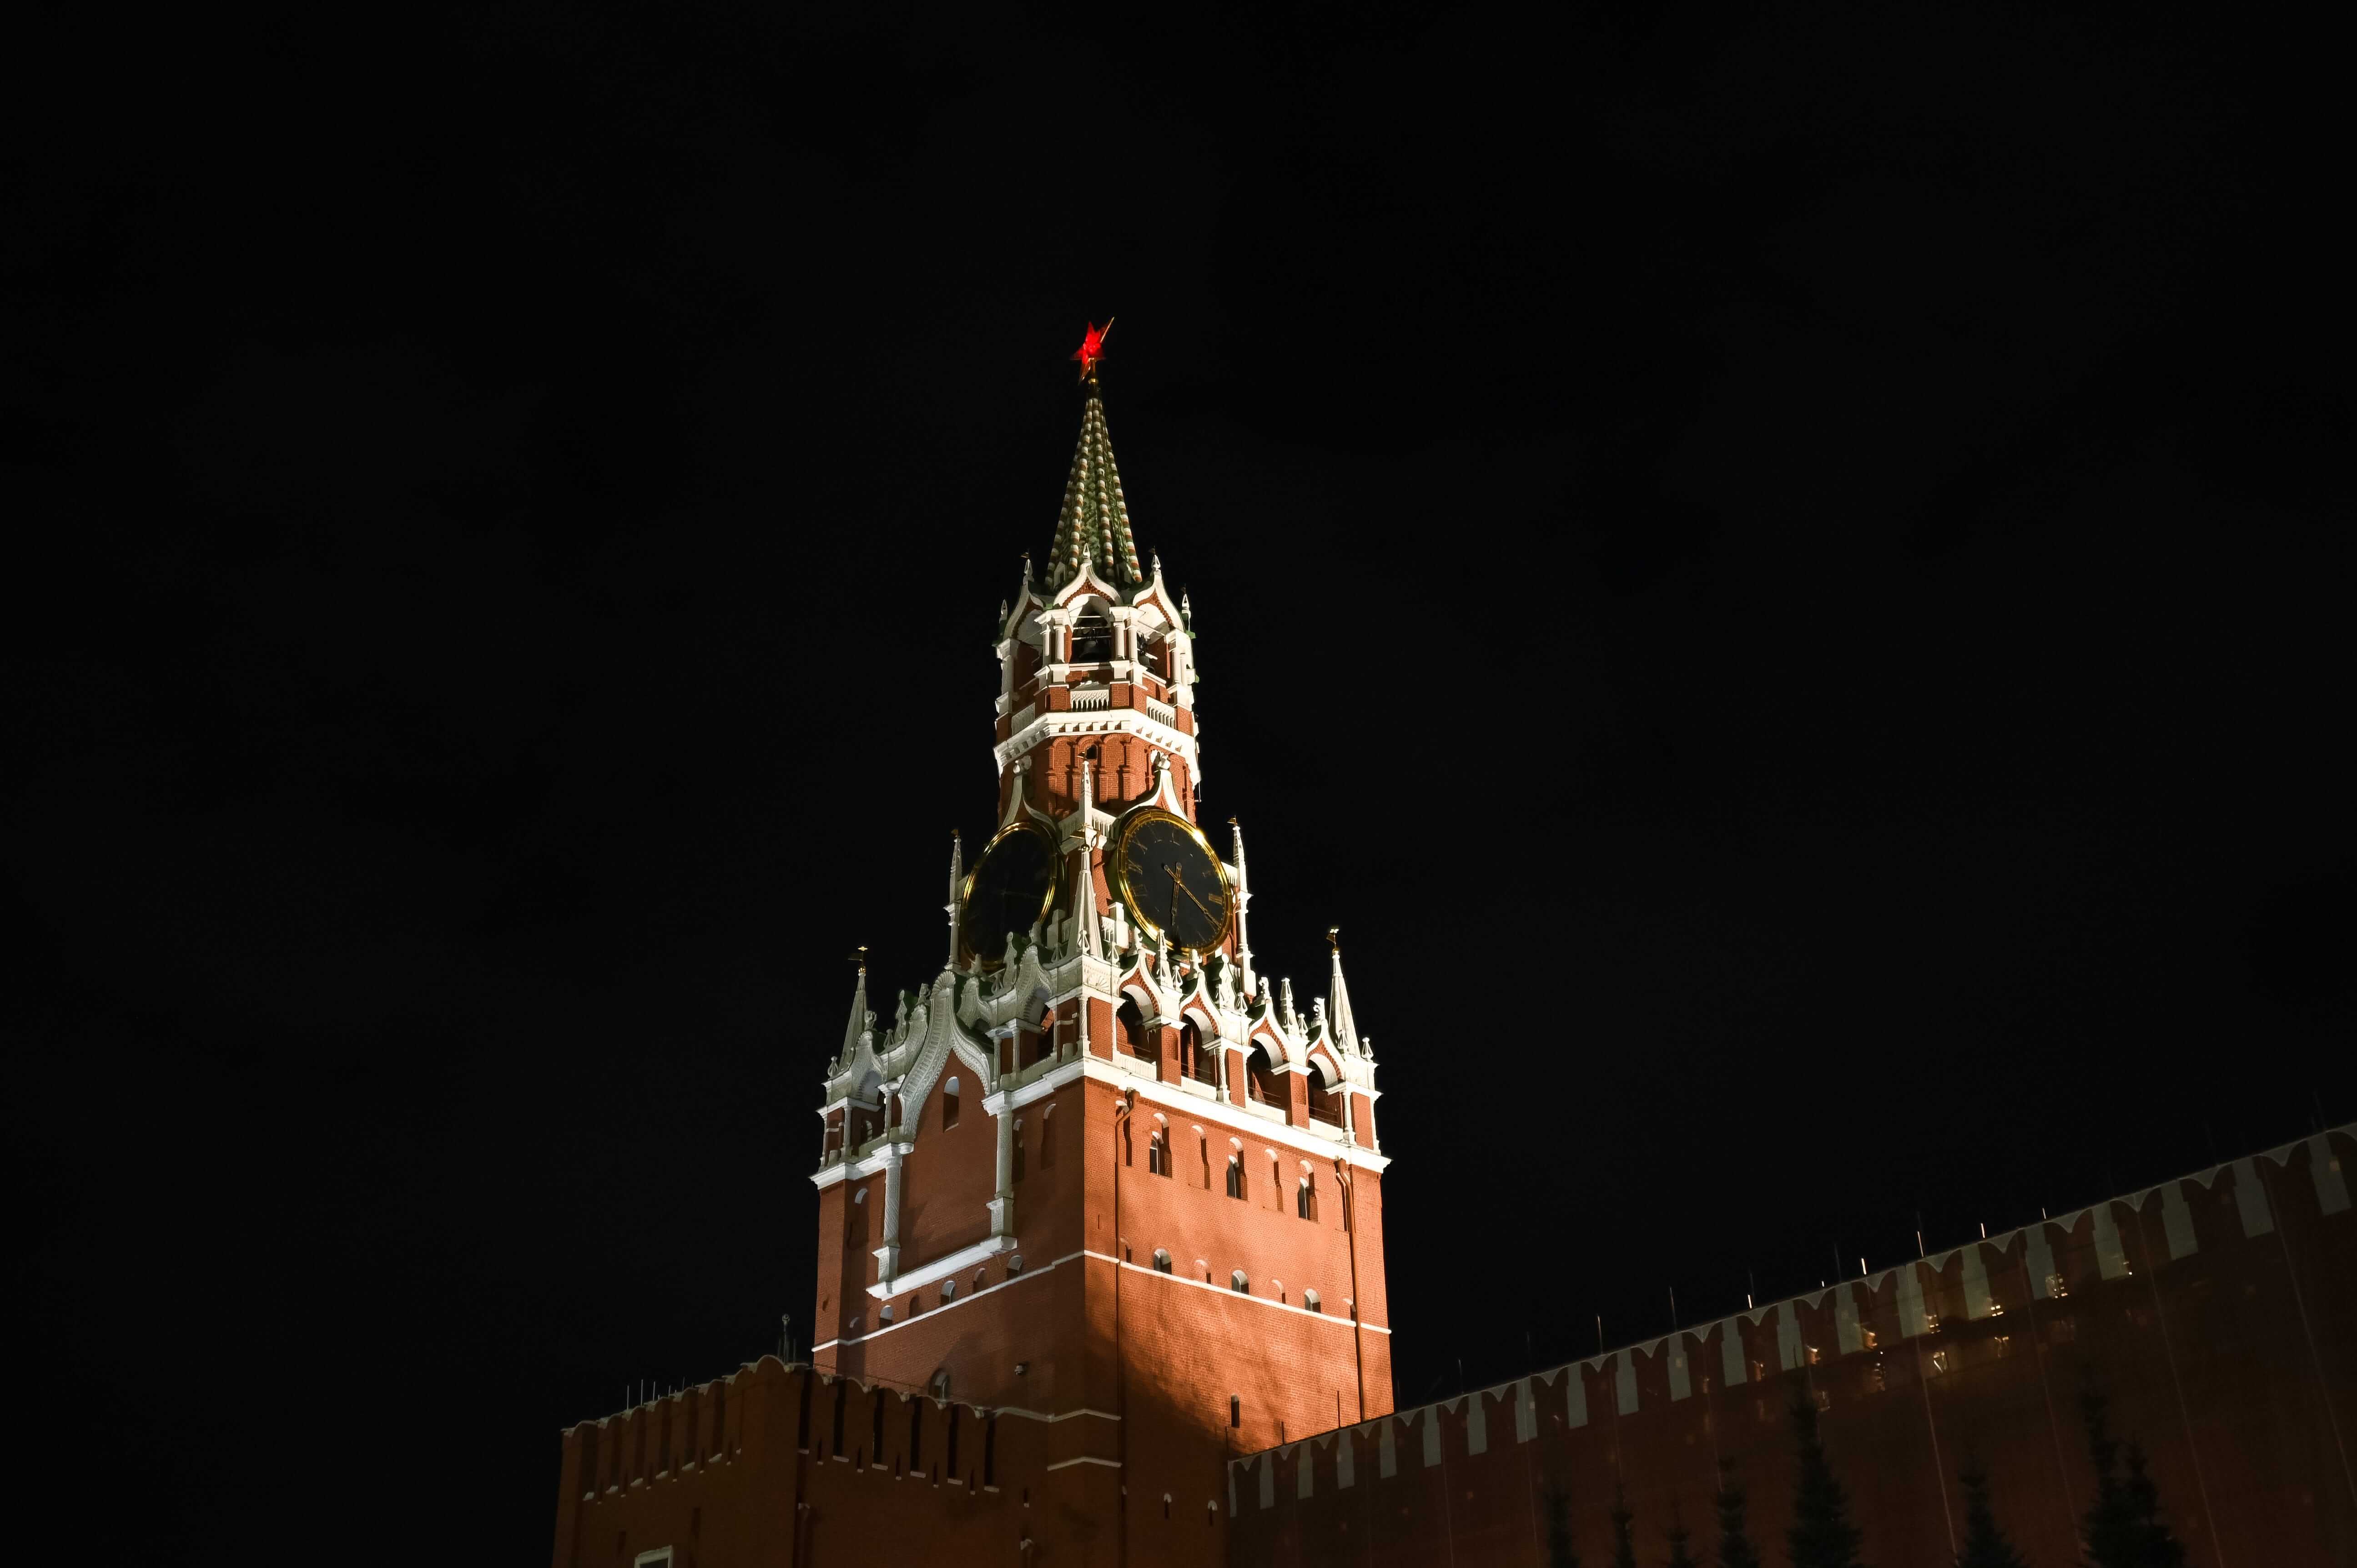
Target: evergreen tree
<point>2123,1527</point>
<point>1560,1554</point>
<point>1822,1535</point>
<point>1624,1545</point>
<point>1677,1534</point>
<point>1734,1548</point>
<point>1984,1544</point>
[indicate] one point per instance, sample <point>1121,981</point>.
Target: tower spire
<point>1092,529</point>
<point>1337,996</point>
<point>1251,982</point>
<point>957,888</point>
<point>858,1025</point>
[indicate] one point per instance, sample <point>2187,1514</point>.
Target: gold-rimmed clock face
<point>1163,870</point>
<point>1009,889</point>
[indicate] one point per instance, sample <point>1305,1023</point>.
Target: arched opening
<point>1237,1283</point>
<point>1157,1155</point>
<point>949,1104</point>
<point>1304,1198</point>
<point>1263,1081</point>
<point>1047,1138</point>
<point>1198,1059</point>
<point>1309,1299</point>
<point>1161,1260</point>
<point>1235,1175</point>
<point>1135,1037</point>
<point>1019,1148</point>
<point>949,1292</point>
<point>1092,636</point>
<point>1325,1104</point>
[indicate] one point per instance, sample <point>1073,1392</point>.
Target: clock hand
<point>1181,884</point>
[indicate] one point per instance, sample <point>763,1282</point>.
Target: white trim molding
<point>941,1268</point>
<point>1343,1321</point>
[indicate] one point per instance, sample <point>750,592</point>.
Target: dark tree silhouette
<point>1677,1533</point>
<point>1560,1554</point>
<point>1822,1535</point>
<point>2123,1528</point>
<point>1734,1548</point>
<point>1624,1545</point>
<point>1984,1544</point>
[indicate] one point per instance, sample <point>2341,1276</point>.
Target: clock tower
<point>1099,1172</point>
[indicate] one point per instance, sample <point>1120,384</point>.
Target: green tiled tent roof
<point>1093,527</point>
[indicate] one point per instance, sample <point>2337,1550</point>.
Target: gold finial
<point>859,958</point>
<point>1334,940</point>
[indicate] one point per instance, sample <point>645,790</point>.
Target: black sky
<point>1782,580</point>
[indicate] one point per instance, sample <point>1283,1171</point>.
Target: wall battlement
<point>2217,1311</point>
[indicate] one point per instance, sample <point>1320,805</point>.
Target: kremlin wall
<point>2217,1313</point>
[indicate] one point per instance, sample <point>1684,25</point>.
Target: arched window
<point>1047,1138</point>
<point>1263,1081</point>
<point>949,1292</point>
<point>884,1313</point>
<point>1235,1175</point>
<point>1196,1059</point>
<point>1305,1201</point>
<point>1092,638</point>
<point>949,1104</point>
<point>1157,1155</point>
<point>1019,1148</point>
<point>1236,1282</point>
<point>1235,1412</point>
<point>1325,1104</point>
<point>1309,1299</point>
<point>1135,1037</point>
<point>1161,1260</point>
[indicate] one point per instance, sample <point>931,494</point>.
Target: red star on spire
<point>1092,348</point>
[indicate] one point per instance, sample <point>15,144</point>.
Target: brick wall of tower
<point>1171,1351</point>
<point>1124,774</point>
<point>947,1181</point>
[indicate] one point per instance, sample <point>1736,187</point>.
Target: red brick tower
<point>1099,1173</point>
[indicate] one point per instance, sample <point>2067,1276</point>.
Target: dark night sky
<point>1782,582</point>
